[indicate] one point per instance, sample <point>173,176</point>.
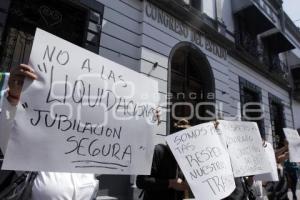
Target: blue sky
<point>292,8</point>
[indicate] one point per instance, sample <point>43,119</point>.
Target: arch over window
<point>191,85</point>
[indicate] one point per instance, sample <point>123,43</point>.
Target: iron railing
<point>250,45</point>
<point>247,42</point>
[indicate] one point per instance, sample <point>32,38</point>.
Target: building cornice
<point>291,27</point>
<point>208,26</point>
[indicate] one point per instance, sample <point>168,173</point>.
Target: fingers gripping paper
<point>85,113</point>
<point>204,161</point>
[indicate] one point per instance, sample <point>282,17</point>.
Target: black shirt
<point>164,167</point>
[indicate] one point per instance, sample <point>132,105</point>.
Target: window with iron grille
<point>77,21</point>
<point>250,93</point>
<point>277,120</point>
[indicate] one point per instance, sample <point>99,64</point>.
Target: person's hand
<point>216,124</point>
<point>281,158</point>
<point>250,180</point>
<point>178,184</point>
<point>16,80</point>
<point>157,115</point>
<point>283,149</point>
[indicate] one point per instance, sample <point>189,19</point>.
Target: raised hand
<point>16,80</point>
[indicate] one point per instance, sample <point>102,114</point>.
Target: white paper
<point>273,175</point>
<point>204,161</point>
<point>245,148</point>
<point>293,139</point>
<point>3,86</point>
<point>6,122</point>
<point>84,114</point>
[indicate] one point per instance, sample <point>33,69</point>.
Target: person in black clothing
<point>240,192</point>
<point>279,190</point>
<point>292,175</point>
<point>165,181</point>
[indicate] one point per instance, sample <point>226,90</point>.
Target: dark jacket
<point>164,167</point>
<point>278,190</point>
<point>240,192</point>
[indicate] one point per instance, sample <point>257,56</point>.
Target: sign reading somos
<point>85,113</point>
<point>204,161</point>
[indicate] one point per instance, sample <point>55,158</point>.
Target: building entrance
<point>191,85</point>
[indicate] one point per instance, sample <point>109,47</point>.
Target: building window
<point>77,21</point>
<point>250,93</point>
<point>277,120</point>
<point>244,36</point>
<point>191,82</point>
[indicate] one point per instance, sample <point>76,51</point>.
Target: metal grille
<point>77,21</point>
<point>18,46</point>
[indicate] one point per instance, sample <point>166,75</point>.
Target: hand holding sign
<point>16,81</point>
<point>86,113</point>
<point>178,184</point>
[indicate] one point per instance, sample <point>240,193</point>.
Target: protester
<point>292,172</point>
<point>165,182</point>
<point>46,185</point>
<point>255,189</point>
<point>240,191</point>
<point>279,190</point>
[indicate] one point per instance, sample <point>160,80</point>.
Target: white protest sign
<point>85,114</point>
<point>273,175</point>
<point>204,161</point>
<point>293,139</point>
<point>245,148</point>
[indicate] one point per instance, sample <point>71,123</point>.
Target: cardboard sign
<point>245,148</point>
<point>203,159</point>
<point>273,175</point>
<point>85,114</point>
<point>293,139</point>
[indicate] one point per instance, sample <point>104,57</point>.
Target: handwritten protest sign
<point>245,148</point>
<point>203,159</point>
<point>273,175</point>
<point>293,139</point>
<point>85,113</point>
